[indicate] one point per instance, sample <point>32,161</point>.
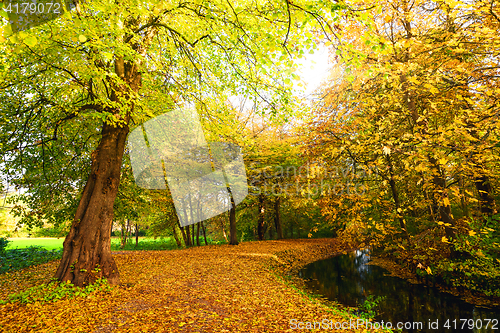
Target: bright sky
<point>314,70</point>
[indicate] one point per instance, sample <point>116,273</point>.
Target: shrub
<point>3,244</point>
<point>54,291</point>
<point>15,259</point>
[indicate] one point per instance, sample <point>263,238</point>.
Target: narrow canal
<point>348,279</point>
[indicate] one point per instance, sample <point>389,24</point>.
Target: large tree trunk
<point>87,245</point>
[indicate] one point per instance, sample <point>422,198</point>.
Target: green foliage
<point>478,268</point>
<point>159,244</point>
<point>370,307</point>
<point>58,230</point>
<point>3,244</point>
<point>16,259</point>
<point>55,291</point>
<point>146,245</point>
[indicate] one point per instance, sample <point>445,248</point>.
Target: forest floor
<point>217,288</point>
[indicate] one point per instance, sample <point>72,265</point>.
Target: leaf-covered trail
<point>202,289</point>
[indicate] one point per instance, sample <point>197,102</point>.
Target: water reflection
<point>348,280</point>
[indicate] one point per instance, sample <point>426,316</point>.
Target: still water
<point>348,279</point>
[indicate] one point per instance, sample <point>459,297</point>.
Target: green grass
<point>47,243</point>
<point>19,258</point>
<point>145,243</point>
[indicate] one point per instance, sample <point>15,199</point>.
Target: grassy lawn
<point>145,243</point>
<point>47,243</point>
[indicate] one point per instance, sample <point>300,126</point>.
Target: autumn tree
<point>72,89</point>
<point>413,100</point>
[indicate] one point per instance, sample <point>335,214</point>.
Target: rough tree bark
<point>87,245</point>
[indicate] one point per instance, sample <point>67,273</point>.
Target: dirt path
<point>203,289</point>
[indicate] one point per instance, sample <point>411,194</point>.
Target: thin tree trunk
<point>233,240</point>
<point>203,227</point>
<point>184,236</point>
<point>176,237</point>
<point>487,203</point>
<point>260,222</point>
<point>123,240</point>
<point>441,194</point>
<point>223,230</point>
<point>463,201</point>
<point>395,197</point>
<point>198,234</point>
<point>232,224</point>
<point>277,217</point>
<point>129,230</point>
<point>136,234</point>
<point>192,235</point>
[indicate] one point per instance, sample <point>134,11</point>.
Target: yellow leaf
<point>444,239</point>
<point>414,80</point>
<point>428,270</point>
<point>446,201</point>
<point>31,41</point>
<point>471,233</point>
<point>82,38</point>
<point>386,150</point>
